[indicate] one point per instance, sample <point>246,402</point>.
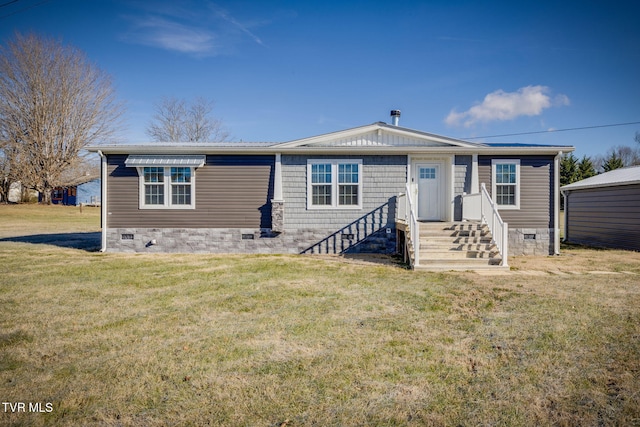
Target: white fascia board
<point>525,150</point>
<point>487,151</point>
<point>359,150</point>
<point>179,150</point>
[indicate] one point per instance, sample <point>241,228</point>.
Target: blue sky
<point>283,70</point>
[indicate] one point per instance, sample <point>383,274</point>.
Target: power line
<point>554,130</point>
<point>8,3</point>
<point>23,9</point>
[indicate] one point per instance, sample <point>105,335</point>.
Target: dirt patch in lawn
<point>579,260</point>
<point>573,260</point>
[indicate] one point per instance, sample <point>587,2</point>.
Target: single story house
<point>85,193</point>
<point>15,193</point>
<point>88,192</point>
<point>604,210</point>
<point>372,188</point>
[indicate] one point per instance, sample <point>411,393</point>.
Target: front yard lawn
<point>146,340</point>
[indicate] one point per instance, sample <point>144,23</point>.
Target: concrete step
<point>459,264</point>
<point>452,225</point>
<point>445,266</point>
<point>440,240</point>
<point>457,255</point>
<point>451,231</point>
<point>447,232</point>
<point>457,248</point>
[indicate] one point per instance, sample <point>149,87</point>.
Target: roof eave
<point>186,149</point>
<point>570,187</point>
<point>176,149</point>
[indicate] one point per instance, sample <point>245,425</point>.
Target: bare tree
<point>177,121</point>
<point>168,121</point>
<point>5,176</point>
<point>53,102</point>
<point>618,156</point>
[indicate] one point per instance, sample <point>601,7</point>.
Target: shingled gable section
<point>378,135</point>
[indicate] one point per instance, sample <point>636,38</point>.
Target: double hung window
<point>180,186</point>
<point>153,186</point>
<point>170,187</point>
<point>321,184</point>
<point>334,184</point>
<point>506,183</point>
<point>166,181</point>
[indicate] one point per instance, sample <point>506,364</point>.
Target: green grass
<point>115,339</point>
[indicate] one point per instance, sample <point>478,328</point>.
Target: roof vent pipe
<point>395,117</point>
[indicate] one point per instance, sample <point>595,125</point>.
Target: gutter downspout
<point>103,200</point>
<point>556,204</point>
<point>565,195</point>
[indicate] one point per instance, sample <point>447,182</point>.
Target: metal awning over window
<point>187,160</point>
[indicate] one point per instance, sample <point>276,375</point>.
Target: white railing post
<point>498,228</point>
<point>505,243</point>
<point>483,189</point>
<point>493,221</point>
<point>412,222</point>
<point>401,207</point>
<point>407,206</point>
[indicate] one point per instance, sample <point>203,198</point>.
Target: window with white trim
<point>505,178</point>
<point>334,184</point>
<point>167,187</point>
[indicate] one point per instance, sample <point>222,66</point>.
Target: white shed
<point>604,210</point>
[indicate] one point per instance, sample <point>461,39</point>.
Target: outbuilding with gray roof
<point>604,210</point>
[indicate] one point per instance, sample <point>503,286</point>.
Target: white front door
<point>429,191</point>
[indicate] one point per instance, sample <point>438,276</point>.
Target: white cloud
<point>501,105</point>
<point>165,34</point>
<point>230,19</point>
<point>194,29</point>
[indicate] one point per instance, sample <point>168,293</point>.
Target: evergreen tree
<point>586,169</point>
<point>569,172</point>
<point>612,162</point>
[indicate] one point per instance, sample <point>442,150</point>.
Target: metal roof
<point>622,176</point>
<point>519,144</point>
<point>334,143</point>
<point>135,160</point>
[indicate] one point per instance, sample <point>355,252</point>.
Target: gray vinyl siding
<point>461,183</point>
<point>536,191</point>
<point>383,177</point>
<point>607,216</point>
<point>231,191</point>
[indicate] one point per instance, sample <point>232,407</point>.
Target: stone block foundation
<point>531,241</point>
<point>237,240</point>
